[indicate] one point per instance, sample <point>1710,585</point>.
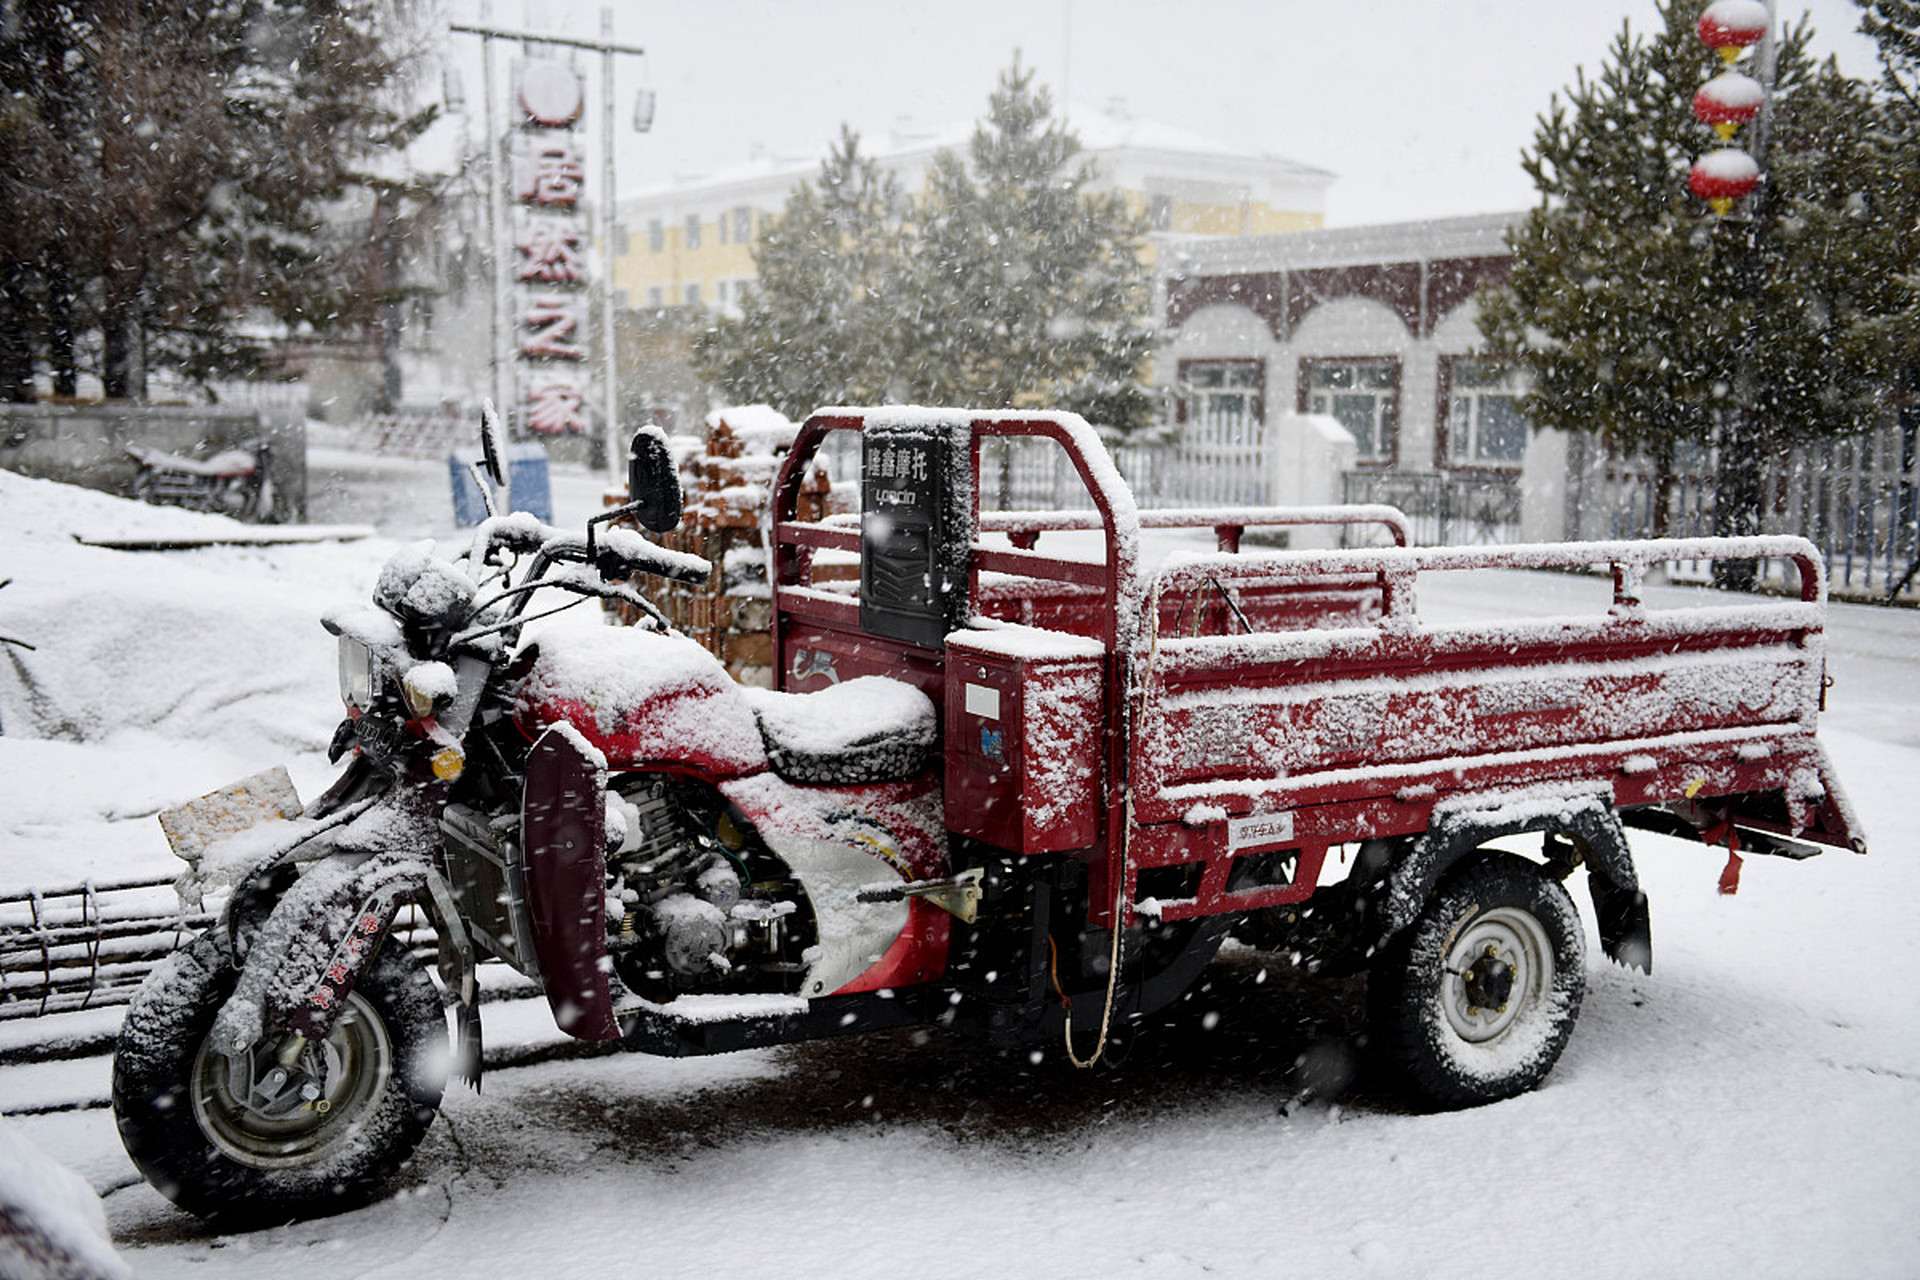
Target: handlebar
<point>620,553</point>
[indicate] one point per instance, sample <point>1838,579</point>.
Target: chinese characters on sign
<point>906,465</point>
<point>902,462</point>
<point>550,252</point>
<point>551,306</point>
<point>553,322</point>
<point>555,404</point>
<point>549,172</point>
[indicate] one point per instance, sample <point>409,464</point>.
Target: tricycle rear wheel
<point>1475,1000</point>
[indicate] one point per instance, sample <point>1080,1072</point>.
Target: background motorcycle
<point>235,482</point>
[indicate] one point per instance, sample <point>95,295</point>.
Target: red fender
<point>563,820</point>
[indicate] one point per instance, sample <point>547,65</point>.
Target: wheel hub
<point>1500,967</point>
<point>1489,981</point>
<point>276,1114</point>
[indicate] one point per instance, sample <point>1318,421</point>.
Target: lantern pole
<point>1740,468</point>
<point>609,365</point>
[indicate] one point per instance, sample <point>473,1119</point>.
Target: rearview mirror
<point>653,487</point>
<point>492,445</point>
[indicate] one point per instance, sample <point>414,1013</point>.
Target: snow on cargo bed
<point>1263,721</point>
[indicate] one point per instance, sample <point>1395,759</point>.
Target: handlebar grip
<point>690,574</point>
<point>661,563</point>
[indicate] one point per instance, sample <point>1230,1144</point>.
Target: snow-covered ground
<point>1752,1108</point>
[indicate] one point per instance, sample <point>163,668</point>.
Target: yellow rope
<point>1120,871</point>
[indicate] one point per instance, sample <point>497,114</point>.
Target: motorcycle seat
<point>868,729</point>
<point>228,463</point>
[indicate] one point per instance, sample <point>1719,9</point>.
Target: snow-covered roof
<point>1474,235</point>
<point>1106,134</point>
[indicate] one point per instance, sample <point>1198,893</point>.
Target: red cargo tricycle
<point>1015,782</point>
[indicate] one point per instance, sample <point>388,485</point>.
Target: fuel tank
<point>644,699</point>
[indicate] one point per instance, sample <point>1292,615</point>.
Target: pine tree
<point>1639,314</point>
<point>41,197</point>
<point>1007,286</point>
<point>175,171</point>
<point>1894,25</point>
<point>821,325</point>
<point>1030,292</point>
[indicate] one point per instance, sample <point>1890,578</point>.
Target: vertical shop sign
<point>552,275</point>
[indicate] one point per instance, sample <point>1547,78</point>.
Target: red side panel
<point>563,821</point>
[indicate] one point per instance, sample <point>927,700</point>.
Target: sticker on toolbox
<point>983,702</point>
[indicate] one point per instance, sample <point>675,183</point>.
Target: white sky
<point>1420,106</point>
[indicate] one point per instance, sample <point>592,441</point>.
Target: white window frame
<point>1471,405</point>
<point>1373,377</point>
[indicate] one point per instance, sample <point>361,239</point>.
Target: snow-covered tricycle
<point>1015,783</point>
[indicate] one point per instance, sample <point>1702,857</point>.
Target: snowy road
<point>1752,1108</point>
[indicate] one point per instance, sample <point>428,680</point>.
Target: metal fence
<point>413,433</point>
<point>86,946</point>
<point>1444,509</point>
<point>90,946</point>
<point>1019,474</point>
<point>1857,500</point>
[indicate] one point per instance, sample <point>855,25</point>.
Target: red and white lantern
<point>1728,101</point>
<point>1723,176</point>
<point>1729,26</point>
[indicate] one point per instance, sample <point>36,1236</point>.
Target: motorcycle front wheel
<point>377,1078</point>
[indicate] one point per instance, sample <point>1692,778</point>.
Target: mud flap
<point>563,820</point>
<point>458,970</point>
<point>1626,931</point>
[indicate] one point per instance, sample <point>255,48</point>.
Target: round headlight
<point>428,686</point>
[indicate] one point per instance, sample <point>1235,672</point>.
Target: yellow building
<point>689,243</point>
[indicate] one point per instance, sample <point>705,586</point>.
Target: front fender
<point>323,932</point>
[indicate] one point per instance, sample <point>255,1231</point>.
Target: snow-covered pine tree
<point>1894,25</point>
<point>821,324</point>
<point>1638,314</point>
<point>177,183</point>
<point>1007,286</point>
<point>1029,291</point>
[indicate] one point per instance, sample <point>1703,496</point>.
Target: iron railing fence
<point>413,433</point>
<point>91,945</point>
<point>87,945</point>
<point>1034,475</point>
<point>1444,509</point>
<point>1857,500</point>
